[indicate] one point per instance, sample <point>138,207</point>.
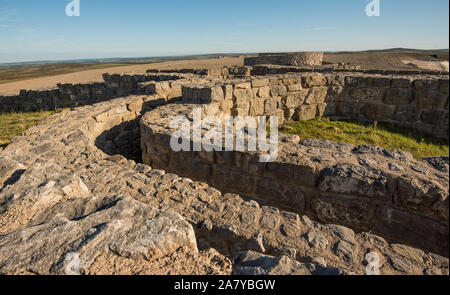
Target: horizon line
<point>74,60</point>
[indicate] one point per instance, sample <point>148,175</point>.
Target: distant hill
<point>401,50</point>
<point>442,54</point>
<point>118,60</point>
<point>392,59</point>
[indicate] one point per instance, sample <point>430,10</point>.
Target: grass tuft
<point>378,134</point>
<point>13,124</point>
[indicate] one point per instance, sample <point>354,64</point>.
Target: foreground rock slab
<point>122,226</point>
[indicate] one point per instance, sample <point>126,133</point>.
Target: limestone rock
<point>253,263</point>
<point>353,179</point>
<point>124,226</point>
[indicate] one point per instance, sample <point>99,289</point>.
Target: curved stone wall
<point>339,68</point>
<point>61,194</point>
<point>420,103</point>
<point>287,59</point>
<point>75,95</point>
<point>66,187</point>
<point>364,188</point>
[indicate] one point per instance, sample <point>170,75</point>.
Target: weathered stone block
<point>234,180</point>
<point>351,179</point>
<point>241,109</point>
<point>209,94</point>
<point>227,92</point>
<point>433,117</point>
<point>295,87</point>
<point>242,94</point>
<point>429,233</point>
<point>335,80</point>
<point>406,113</point>
<point>321,109</point>
<point>316,95</point>
<point>445,121</point>
<point>374,111</point>
<point>260,82</point>
<point>275,81</point>
<point>257,107</point>
<point>335,93</point>
<point>226,106</point>
<point>427,83</point>
<point>264,92</point>
<point>401,83</point>
<point>431,99</point>
<point>278,90</point>
<point>279,114</point>
<point>271,105</point>
<point>366,94</point>
<point>380,82</point>
<point>357,81</point>
<point>295,99</point>
<point>424,128</point>
<point>306,112</point>
<point>399,96</point>
<point>444,86</point>
<point>330,109</point>
<point>289,114</point>
<point>313,80</point>
<point>243,85</point>
<point>291,81</point>
<point>350,212</point>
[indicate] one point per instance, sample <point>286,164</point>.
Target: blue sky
<point>40,30</point>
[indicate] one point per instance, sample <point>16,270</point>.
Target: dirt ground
<point>366,60</point>
<point>90,76</point>
<point>206,262</point>
<point>388,60</point>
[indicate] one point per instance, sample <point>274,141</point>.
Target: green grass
<point>379,134</point>
<point>13,124</point>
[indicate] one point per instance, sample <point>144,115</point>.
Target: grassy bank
<point>15,123</point>
<point>383,135</point>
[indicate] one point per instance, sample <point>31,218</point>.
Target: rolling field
<point>13,74</point>
<point>93,72</point>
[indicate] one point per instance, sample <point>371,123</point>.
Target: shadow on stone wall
<point>123,139</point>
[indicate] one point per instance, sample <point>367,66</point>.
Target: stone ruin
<point>101,182</point>
<point>286,59</point>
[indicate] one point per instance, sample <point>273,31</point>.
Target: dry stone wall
<point>115,86</point>
<point>228,71</point>
<point>270,69</point>
<point>364,188</point>
<point>78,172</point>
<point>287,59</point>
<point>61,194</point>
<point>73,95</point>
<point>414,102</point>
